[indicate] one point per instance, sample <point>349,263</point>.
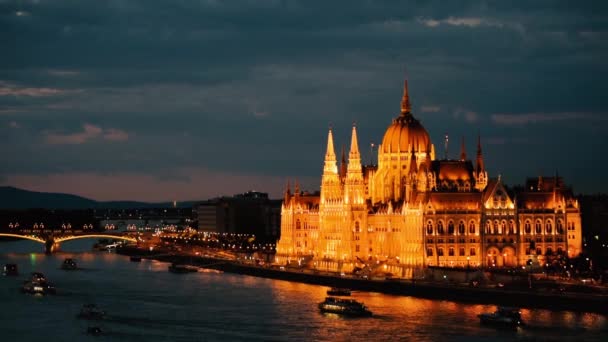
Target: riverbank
<point>533,298</point>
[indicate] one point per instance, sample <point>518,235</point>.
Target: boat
<point>37,277</point>
<point>135,258</point>
<point>69,264</point>
<point>38,288</point>
<point>10,270</point>
<point>95,331</point>
<point>502,317</point>
<point>347,307</point>
<point>335,291</point>
<point>175,268</point>
<point>91,311</point>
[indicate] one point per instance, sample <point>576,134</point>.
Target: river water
<point>146,302</point>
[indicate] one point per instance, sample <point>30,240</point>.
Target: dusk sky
<point>162,100</point>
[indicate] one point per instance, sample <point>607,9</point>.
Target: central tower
<point>406,147</point>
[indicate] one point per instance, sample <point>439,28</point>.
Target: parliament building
<point>412,210</point>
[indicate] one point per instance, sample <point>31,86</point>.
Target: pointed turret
<point>463,152</point>
<point>354,146</point>
<point>480,167</point>
<point>296,190</point>
<point>287,194</point>
<point>480,171</point>
<point>354,185</point>
<point>406,107</point>
<point>330,156</point>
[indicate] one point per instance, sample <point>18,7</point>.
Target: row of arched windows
<point>538,227</point>
<point>441,230</point>
<point>493,227</point>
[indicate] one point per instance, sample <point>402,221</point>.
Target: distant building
<point>412,210</point>
<point>248,213</point>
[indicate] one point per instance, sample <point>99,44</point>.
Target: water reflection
<point>147,301</point>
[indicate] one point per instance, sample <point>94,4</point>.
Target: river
<point>146,302</point>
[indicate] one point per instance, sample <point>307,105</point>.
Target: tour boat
<point>347,307</point>
<point>502,317</point>
<point>69,264</point>
<point>38,288</point>
<point>91,311</point>
<point>10,270</point>
<point>335,291</point>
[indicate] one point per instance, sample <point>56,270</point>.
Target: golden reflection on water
<point>417,317</point>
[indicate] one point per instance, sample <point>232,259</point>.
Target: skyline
<point>160,101</point>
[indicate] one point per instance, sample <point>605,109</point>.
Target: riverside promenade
<point>528,298</point>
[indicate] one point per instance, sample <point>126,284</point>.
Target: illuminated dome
<point>405,132</point>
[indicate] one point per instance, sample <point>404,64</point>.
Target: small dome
<point>406,133</point>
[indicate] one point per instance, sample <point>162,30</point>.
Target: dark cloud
<point>251,86</point>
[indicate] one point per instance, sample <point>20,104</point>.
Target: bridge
<point>51,242</point>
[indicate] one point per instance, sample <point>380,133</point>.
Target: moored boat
<point>502,317</point>
<point>347,307</point>
<point>69,264</point>
<point>10,270</point>
<point>175,268</point>
<point>334,291</point>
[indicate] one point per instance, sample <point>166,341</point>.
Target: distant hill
<point>14,198</point>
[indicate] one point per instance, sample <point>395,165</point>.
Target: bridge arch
<point>96,236</point>
<point>26,237</point>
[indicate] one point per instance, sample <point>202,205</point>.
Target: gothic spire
<point>330,155</point>
<point>354,157</point>
<point>480,167</point>
<point>287,194</point>
<point>406,107</point>
<point>463,152</point>
<point>354,145</point>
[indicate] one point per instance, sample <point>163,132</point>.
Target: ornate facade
<point>413,210</point>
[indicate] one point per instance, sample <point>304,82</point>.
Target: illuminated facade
<point>412,211</point>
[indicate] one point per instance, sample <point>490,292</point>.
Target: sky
<point>186,100</point>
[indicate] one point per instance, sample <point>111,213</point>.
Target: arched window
<point>527,227</point>
<point>471,227</point>
<point>298,224</point>
<point>451,228</point>
<point>495,228</point>
<point>503,227</point>
<point>461,227</point>
<point>357,228</point>
<point>429,227</point>
<point>440,230</point>
<point>559,226</point>
<point>537,227</point>
<point>511,227</point>
<point>487,228</point>
<point>451,251</point>
<point>548,227</point>
<point>440,251</point>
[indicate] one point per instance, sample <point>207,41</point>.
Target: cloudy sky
<point>161,100</point>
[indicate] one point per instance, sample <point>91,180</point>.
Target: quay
<point>532,298</point>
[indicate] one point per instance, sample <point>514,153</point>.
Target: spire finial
<point>406,107</point>
<point>463,152</point>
